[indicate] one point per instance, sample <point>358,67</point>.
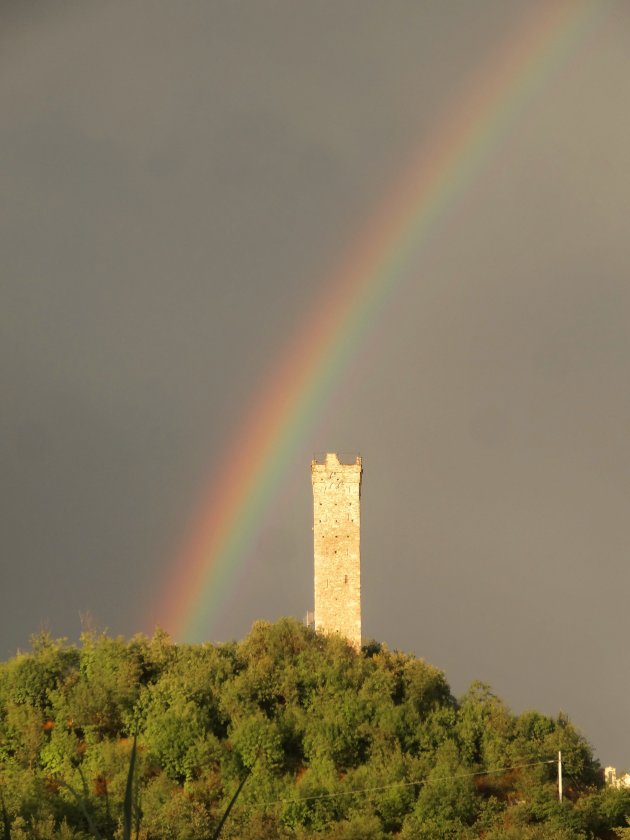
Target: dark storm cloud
<point>177,183</point>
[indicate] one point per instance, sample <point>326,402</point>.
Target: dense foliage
<point>330,743</point>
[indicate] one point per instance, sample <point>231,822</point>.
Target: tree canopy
<point>326,743</point>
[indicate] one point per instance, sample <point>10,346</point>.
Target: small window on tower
<point>345,578</point>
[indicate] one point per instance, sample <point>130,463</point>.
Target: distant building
<point>337,547</point>
<point>613,780</point>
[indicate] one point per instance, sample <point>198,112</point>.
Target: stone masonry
<point>336,539</point>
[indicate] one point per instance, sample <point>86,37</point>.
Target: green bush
<point>331,743</point>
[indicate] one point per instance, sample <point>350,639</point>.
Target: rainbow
<point>232,511</point>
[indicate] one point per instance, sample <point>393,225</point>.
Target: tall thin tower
<point>337,547</point>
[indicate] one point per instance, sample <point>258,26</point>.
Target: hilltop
<point>330,743</point>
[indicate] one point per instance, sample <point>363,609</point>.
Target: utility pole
<point>559,775</point>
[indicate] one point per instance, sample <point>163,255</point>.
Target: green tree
<point>447,803</point>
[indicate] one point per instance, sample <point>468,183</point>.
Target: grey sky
<point>178,181</point>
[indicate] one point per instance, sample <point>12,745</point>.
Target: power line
<point>362,791</point>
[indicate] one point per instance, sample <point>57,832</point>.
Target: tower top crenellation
<point>332,460</point>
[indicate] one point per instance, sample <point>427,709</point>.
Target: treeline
<point>326,743</point>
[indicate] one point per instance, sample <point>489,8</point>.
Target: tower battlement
<point>337,546</point>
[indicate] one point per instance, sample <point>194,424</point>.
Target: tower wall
<point>337,539</point>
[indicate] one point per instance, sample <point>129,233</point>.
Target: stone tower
<point>336,538</point>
